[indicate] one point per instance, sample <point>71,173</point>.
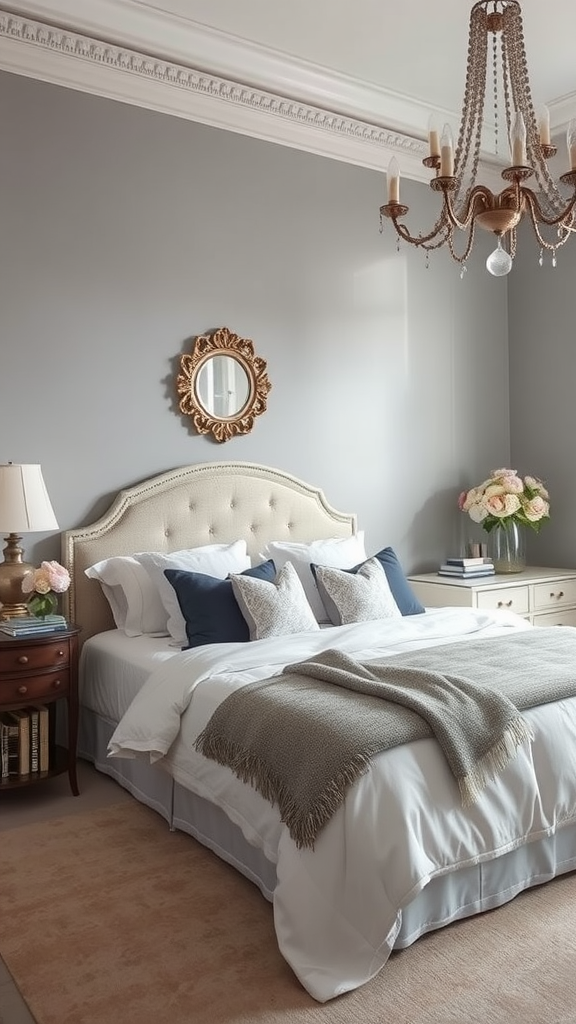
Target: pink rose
<point>536,509</point>
<point>57,575</point>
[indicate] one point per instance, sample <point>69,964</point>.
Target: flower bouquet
<point>505,503</point>
<point>506,497</point>
<point>44,584</point>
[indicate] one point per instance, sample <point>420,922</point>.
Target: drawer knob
<point>23,659</point>
<point>60,654</point>
<point>22,690</point>
<point>57,683</point>
<point>505,604</point>
<point>558,596</point>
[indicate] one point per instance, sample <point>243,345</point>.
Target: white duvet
<point>337,908</point>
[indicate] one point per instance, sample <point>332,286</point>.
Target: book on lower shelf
<point>25,741</point>
<point>22,719</point>
<point>34,739</point>
<point>9,735</point>
<point>44,738</point>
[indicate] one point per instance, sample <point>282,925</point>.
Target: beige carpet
<point>107,916</point>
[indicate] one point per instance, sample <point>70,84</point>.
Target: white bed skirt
<point>181,809</point>
<point>447,898</point>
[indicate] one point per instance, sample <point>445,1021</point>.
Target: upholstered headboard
<point>210,503</point>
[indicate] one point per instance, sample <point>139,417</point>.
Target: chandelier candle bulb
<point>519,141</point>
<point>571,137</point>
<point>545,127</point>
<point>433,138</point>
<point>446,153</point>
<point>393,179</point>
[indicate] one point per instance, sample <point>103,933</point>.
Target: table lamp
<point>24,508</point>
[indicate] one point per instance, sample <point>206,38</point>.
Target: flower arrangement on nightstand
<point>45,584</point>
<point>504,505</point>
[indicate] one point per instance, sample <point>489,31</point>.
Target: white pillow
<point>274,608</point>
<point>131,594</point>
<point>216,560</point>
<point>357,596</point>
<point>339,552</point>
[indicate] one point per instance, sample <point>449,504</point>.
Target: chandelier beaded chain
<point>467,203</point>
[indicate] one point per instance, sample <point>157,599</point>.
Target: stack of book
<point>30,625</point>
<point>466,568</point>
<point>24,741</point>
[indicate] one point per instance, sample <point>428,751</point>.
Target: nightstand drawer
<point>15,657</point>
<point>548,596</point>
<point>513,599</point>
<point>50,684</point>
<point>562,617</point>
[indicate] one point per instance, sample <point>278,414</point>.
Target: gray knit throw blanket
<point>303,738</point>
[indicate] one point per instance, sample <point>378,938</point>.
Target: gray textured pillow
<point>274,609</point>
<point>356,597</point>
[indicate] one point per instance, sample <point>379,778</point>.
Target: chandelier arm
<point>421,240</point>
<point>536,218</point>
<point>537,214</point>
<point>476,194</point>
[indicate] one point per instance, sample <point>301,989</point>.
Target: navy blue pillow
<point>402,592</point>
<point>209,607</point>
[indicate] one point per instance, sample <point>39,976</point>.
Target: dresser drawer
<point>513,599</point>
<point>557,594</point>
<point>18,658</point>
<point>561,617</point>
<point>49,684</point>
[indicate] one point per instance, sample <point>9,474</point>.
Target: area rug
<point>108,916</point>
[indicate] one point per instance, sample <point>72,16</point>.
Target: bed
<point>362,890</point>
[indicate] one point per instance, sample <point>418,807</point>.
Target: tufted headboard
<point>210,503</point>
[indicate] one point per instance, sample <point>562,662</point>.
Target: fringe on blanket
<point>303,825</point>
<point>517,732</point>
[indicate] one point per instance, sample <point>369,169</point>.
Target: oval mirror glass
<point>222,386</point>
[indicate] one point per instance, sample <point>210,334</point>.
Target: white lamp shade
<point>24,503</point>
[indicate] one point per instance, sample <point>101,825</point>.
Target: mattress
<point>113,668</point>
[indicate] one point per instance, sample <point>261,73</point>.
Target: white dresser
<point>547,597</point>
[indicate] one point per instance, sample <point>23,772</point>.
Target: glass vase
<point>508,547</point>
<point>42,605</point>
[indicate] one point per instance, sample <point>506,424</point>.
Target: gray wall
<point>125,233</point>
<point>542,385</point>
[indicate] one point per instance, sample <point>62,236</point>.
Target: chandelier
<point>467,204</point>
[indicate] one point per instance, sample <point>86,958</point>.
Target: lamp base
<point>12,572</point>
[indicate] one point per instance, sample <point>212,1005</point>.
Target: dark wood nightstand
<point>36,670</point>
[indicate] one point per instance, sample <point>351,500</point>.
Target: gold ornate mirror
<point>222,385</point>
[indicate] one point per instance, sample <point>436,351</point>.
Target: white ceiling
<point>386,64</point>
<point>416,48</point>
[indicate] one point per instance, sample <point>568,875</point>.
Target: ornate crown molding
<point>74,60</point>
<point>67,58</point>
